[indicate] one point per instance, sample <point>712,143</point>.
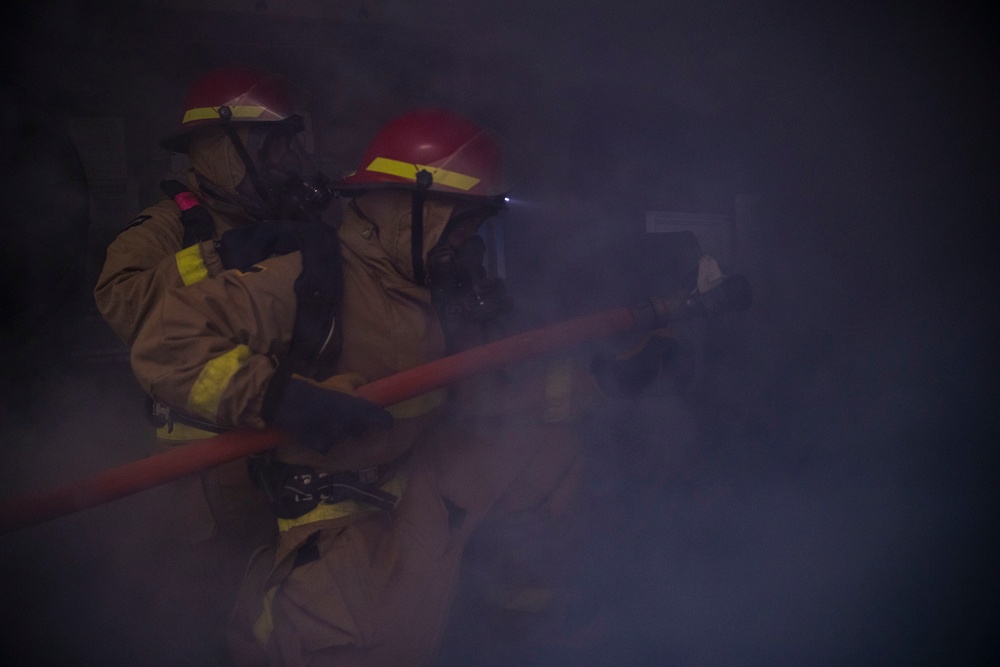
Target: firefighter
<point>374,507</point>
<point>240,128</point>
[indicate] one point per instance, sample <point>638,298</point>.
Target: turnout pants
<point>374,587</point>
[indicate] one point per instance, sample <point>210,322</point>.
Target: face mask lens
<point>282,153</point>
<point>471,254</point>
<point>292,185</point>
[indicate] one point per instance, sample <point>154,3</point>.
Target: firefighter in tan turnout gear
<point>374,507</point>
<point>239,129</point>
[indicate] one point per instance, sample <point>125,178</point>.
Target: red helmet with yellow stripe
<point>432,150</point>
<point>236,94</point>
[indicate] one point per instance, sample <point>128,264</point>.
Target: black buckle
<point>159,415</point>
<point>295,490</point>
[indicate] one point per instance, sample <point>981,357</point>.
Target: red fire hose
<point>125,480</point>
<point>731,294</point>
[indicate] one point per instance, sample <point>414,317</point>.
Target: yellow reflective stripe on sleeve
<point>206,113</point>
<point>558,391</point>
<point>190,265</point>
<point>326,512</point>
<point>203,400</point>
<point>323,512</point>
<point>418,405</point>
<point>408,170</point>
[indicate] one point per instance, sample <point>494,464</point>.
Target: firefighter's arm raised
<point>143,262</point>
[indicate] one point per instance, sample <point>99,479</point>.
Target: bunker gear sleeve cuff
<point>243,247</point>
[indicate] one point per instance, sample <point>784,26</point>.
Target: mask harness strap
<point>424,180</point>
<point>226,114</point>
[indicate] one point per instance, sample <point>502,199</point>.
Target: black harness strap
<point>197,221</point>
<point>424,180</point>
<point>295,490</point>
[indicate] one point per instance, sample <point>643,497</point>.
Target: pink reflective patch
<point>186,200</point>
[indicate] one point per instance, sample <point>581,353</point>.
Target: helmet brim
<point>179,142</point>
<point>347,188</point>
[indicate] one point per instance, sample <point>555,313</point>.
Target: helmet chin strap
<point>298,199</point>
<point>424,180</point>
<point>226,114</point>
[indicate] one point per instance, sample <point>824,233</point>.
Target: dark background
<point>824,495</point>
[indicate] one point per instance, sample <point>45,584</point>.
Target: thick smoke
<point>820,496</point>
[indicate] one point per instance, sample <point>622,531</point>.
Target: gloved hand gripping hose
<point>320,416</point>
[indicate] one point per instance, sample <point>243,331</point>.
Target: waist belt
<point>296,490</point>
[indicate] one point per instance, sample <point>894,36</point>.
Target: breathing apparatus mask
<point>468,300</point>
<point>282,181</point>
<point>238,126</point>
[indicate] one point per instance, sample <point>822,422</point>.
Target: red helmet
<point>250,95</point>
<point>460,157</point>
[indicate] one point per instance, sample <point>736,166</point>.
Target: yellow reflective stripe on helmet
<point>191,265</point>
<point>203,400</point>
<point>408,170</point>
<point>206,113</point>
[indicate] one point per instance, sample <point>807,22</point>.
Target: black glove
<point>320,418</point>
<point>243,247</point>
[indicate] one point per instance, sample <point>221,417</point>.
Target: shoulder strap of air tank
<point>195,217</point>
